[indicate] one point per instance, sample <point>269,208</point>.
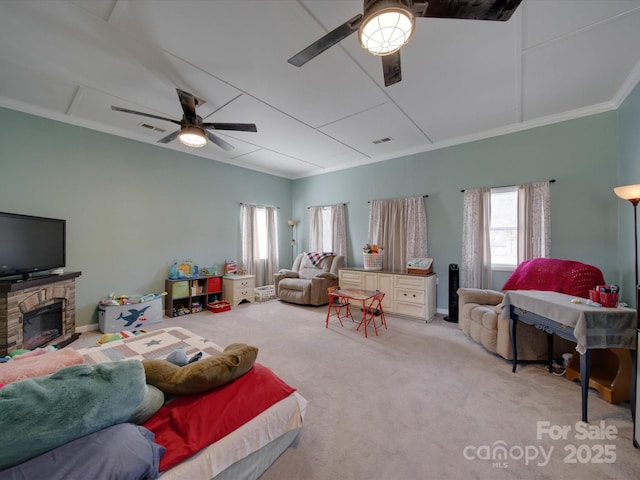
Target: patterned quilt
<point>153,344</point>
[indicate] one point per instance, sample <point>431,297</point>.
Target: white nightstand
<point>237,288</point>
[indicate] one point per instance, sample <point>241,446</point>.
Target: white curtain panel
<point>475,269</point>
<point>377,223</point>
<point>534,221</point>
<point>416,217</point>
<point>339,230</point>
<point>271,265</point>
<point>399,226</point>
<point>315,229</point>
<point>250,243</point>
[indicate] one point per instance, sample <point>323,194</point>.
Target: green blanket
<point>39,414</point>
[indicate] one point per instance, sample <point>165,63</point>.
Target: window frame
<point>505,267</point>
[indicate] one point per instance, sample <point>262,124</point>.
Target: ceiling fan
<point>193,131</point>
<point>386,25</point>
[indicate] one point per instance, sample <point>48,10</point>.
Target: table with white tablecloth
<point>573,319</point>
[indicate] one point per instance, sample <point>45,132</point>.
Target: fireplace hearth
<point>28,309</point>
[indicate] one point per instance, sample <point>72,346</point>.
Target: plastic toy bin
<point>263,294</point>
<point>219,307</point>
<point>372,261</point>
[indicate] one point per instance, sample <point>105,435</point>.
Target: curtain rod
<point>503,186</point>
<point>322,206</point>
<point>259,206</point>
<point>423,196</point>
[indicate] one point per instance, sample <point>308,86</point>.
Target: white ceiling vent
<point>151,127</point>
<point>382,140</point>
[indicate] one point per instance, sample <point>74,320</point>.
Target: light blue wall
<point>581,155</point>
<point>132,209</point>
<point>629,174</point>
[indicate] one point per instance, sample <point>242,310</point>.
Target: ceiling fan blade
<point>498,10</point>
<point>218,141</point>
<point>326,42</point>
<point>391,68</point>
<point>188,102</point>
<point>126,110</point>
<point>241,127</point>
<point>170,137</point>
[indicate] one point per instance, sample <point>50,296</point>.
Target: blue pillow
<point>124,451</point>
<point>42,413</point>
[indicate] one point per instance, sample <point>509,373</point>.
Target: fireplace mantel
<point>18,285</point>
<point>19,297</point>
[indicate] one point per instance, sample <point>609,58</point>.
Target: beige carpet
<point>420,401</point>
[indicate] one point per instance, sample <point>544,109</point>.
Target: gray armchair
<point>307,284</point>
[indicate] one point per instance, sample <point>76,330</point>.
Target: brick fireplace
<point>20,298</point>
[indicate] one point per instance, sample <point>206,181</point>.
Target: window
<point>321,229</point>
<point>510,224</point>
<point>327,229</point>
<point>504,227</point>
<point>259,241</point>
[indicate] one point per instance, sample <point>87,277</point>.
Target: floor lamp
<point>632,194</point>
<point>292,224</point>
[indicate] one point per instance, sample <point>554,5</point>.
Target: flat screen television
<point>30,244</point>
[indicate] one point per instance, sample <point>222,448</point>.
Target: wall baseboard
<point>87,328</point>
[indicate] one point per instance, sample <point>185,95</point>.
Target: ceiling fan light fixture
<point>385,30</point>
<point>192,136</point>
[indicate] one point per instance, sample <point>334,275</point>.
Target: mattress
<point>245,452</point>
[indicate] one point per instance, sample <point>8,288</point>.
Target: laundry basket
<point>372,261</point>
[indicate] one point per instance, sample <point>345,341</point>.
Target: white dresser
<point>237,288</point>
<point>410,295</point>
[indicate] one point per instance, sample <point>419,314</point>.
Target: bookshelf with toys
<point>190,289</point>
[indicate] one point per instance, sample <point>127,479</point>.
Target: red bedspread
<point>188,424</point>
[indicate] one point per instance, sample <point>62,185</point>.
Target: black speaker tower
<point>454,283</point>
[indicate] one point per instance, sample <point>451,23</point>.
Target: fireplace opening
<point>42,325</point>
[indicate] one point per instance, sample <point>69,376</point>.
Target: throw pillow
<point>39,365</point>
<point>123,451</point>
<point>42,413</point>
<point>150,404</point>
<point>206,374</point>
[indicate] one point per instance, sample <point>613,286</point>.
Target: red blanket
<point>188,424</point>
<point>555,275</point>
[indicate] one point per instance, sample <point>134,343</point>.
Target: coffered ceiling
<point>71,60</point>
